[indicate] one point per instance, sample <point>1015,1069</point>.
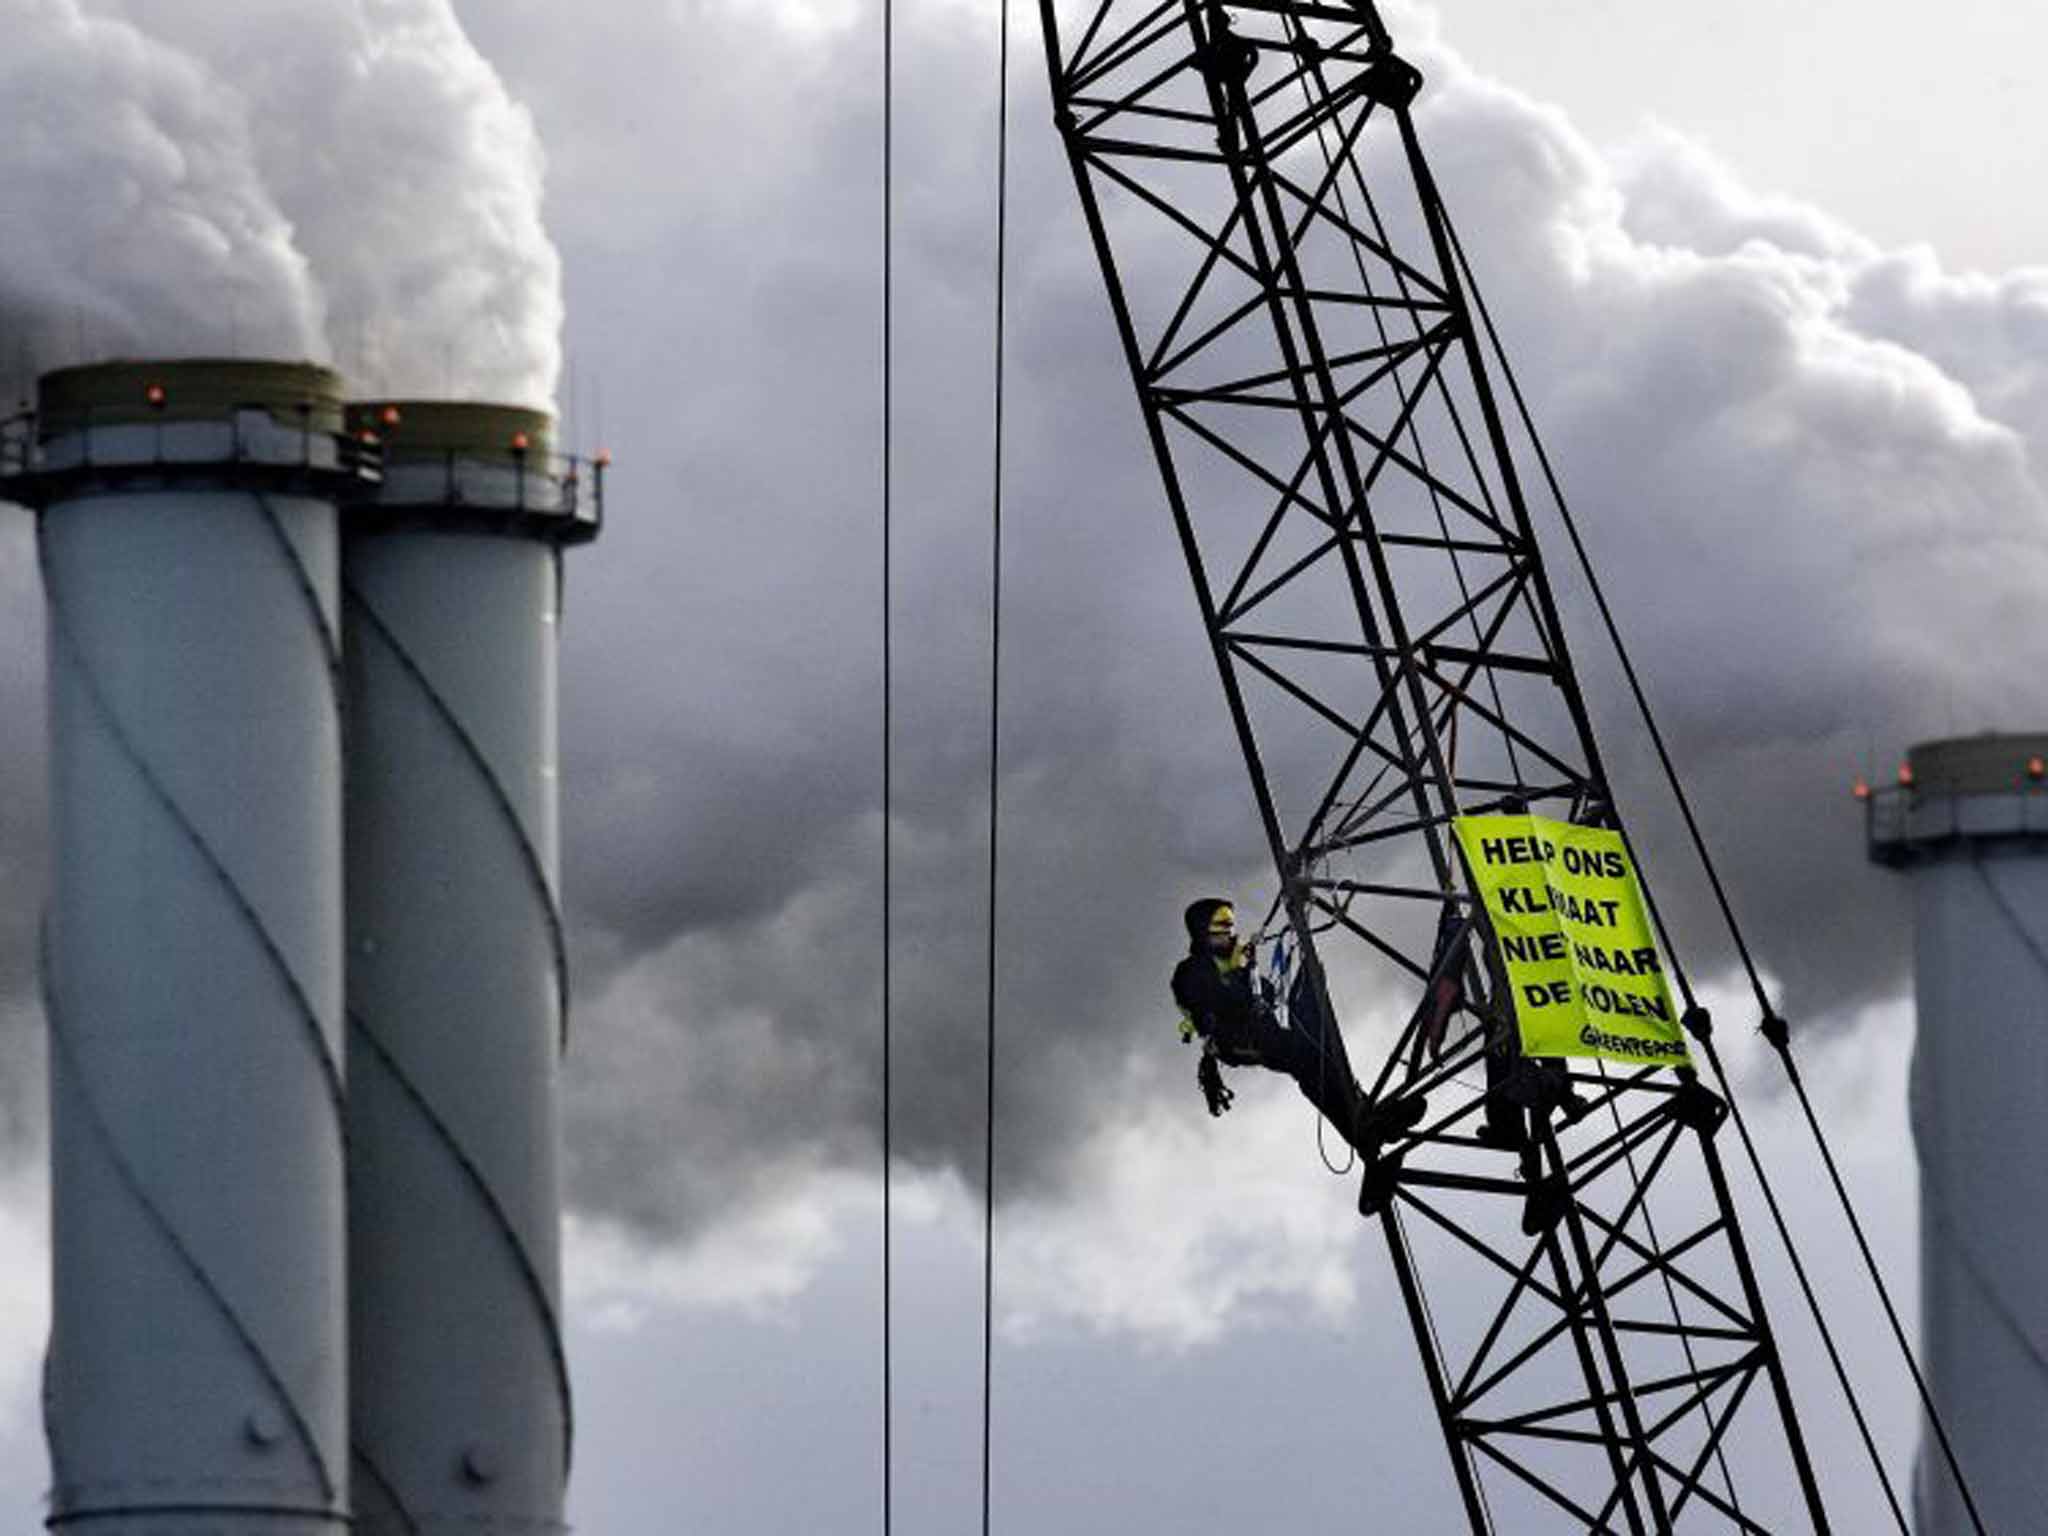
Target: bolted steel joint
<point>1229,59</point>
<point>1698,1107</point>
<point>1391,81</point>
<point>1376,1186</point>
<point>262,1429</point>
<point>479,1465</point>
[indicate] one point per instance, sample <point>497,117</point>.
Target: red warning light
<point>1861,788</point>
<point>389,415</point>
<point>519,442</point>
<point>155,396</point>
<point>1905,775</point>
<point>2036,769</point>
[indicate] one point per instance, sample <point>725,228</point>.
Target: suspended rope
<point>1696,1016</point>
<point>1299,35</point>
<point>1773,1026</point>
<point>888,781</point>
<point>995,719</point>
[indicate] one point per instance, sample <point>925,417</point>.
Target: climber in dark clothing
<point>1222,1004</point>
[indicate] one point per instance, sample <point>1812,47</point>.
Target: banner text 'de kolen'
<point>1575,939</point>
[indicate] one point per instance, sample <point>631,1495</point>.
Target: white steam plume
<point>276,177</point>
<point>132,216</point>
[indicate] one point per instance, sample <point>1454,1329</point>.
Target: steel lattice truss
<point>1294,311</point>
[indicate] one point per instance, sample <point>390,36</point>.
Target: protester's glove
<point>1210,1075</point>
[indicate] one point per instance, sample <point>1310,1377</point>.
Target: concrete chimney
<point>456,980</point>
<point>1969,822</point>
<point>192,966</point>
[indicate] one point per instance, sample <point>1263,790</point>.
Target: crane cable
<point>995,702</point>
<point>1685,987</point>
<point>888,784</point>
<point>1774,1027</point>
<point>1300,35</point>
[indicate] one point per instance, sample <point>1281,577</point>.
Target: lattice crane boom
<point>1299,323</point>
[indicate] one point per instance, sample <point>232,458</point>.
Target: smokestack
<point>192,964</point>
<point>456,985</point>
<point>1968,821</point>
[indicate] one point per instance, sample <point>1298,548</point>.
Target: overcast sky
<point>1769,283</point>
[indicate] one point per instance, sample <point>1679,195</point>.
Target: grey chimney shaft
<point>192,965</point>
<point>1971,825</point>
<point>456,982</point>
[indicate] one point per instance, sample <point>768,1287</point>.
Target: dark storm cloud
<point>1815,535</point>
<point>722,730</point>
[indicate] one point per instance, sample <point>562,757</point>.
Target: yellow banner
<point>1574,938</point>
